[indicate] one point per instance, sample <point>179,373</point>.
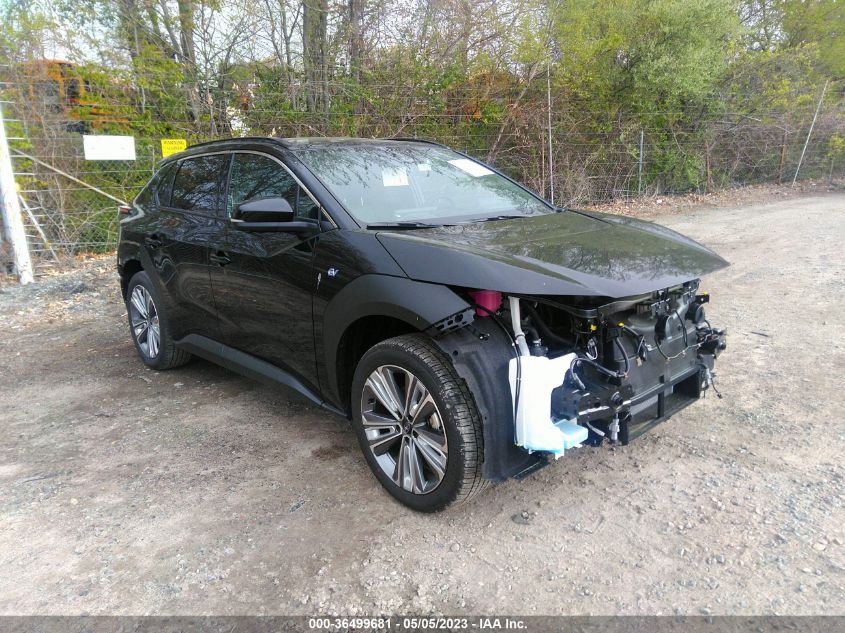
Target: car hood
<point>567,253</point>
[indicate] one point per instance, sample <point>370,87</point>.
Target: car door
<point>190,226</point>
<point>264,294</point>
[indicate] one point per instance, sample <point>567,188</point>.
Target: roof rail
<point>234,138</point>
<point>189,150</point>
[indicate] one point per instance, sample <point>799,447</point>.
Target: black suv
<point>471,330</point>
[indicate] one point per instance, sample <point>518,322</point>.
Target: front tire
<point>417,424</point>
<point>149,326</point>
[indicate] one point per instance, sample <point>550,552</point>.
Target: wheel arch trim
<point>418,304</point>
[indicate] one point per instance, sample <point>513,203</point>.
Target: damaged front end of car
<point>580,369</point>
<point>627,364</point>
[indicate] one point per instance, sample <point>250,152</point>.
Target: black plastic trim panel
<point>250,366</point>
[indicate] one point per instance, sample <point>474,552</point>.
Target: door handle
<point>153,241</point>
<point>220,258</point>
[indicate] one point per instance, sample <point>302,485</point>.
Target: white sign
<point>101,147</point>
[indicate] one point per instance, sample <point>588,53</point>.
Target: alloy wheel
<point>143,317</point>
<point>404,429</point>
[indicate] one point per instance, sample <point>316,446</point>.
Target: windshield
<point>416,183</point>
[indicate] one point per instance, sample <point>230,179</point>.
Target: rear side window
<point>255,176</point>
<point>199,184</point>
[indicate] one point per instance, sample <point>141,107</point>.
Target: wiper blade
<point>493,218</point>
<point>402,225</point>
<point>519,216</point>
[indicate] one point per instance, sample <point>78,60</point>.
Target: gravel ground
<point>195,491</point>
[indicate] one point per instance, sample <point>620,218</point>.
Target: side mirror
<point>270,215</point>
<point>264,210</point>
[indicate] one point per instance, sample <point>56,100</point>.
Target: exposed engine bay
<point>587,371</point>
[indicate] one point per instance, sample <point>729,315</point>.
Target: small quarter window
<point>164,184</point>
<point>306,208</point>
<point>145,197</point>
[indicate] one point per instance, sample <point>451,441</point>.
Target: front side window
<point>199,183</point>
<point>255,176</point>
<point>414,182</point>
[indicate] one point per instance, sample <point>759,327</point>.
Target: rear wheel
<point>418,424</point>
<point>149,327</point>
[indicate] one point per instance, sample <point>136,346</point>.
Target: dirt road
<point>195,491</point>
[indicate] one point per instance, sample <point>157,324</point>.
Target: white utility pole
<point>640,166</point>
<point>810,132</point>
<point>12,220</point>
<point>551,159</point>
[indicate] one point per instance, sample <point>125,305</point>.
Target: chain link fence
<point>567,153</point>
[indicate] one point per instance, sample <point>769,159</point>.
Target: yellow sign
<point>172,145</point>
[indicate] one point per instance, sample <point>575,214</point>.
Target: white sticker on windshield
<point>397,177</point>
<point>471,167</point>
<point>423,167</point>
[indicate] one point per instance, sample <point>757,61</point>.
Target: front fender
<point>482,361</point>
<point>421,305</point>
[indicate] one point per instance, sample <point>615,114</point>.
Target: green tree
<point>645,54</point>
<point>820,23</point>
